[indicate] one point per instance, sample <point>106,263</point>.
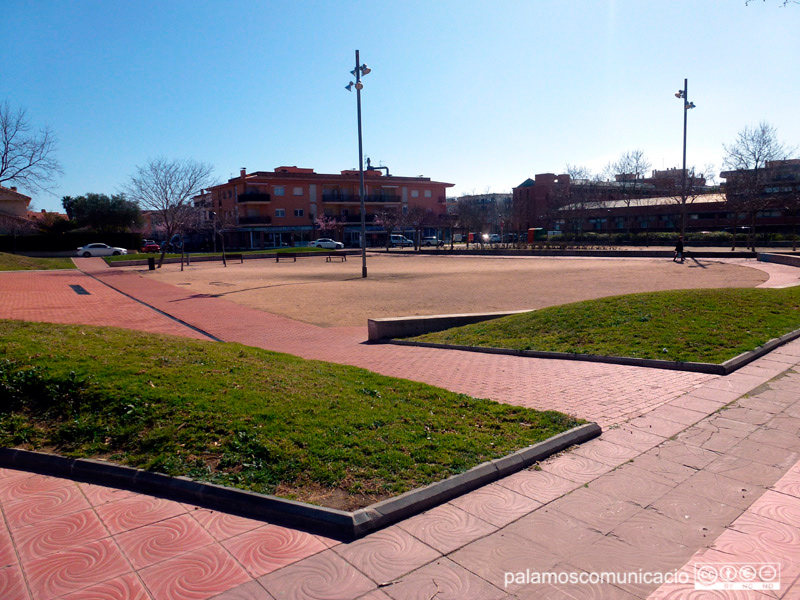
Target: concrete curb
<point>726,368</point>
<point>782,259</point>
<point>395,327</point>
<point>316,519</point>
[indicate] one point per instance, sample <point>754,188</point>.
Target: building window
<point>415,193</point>
<point>280,212</point>
<point>428,193</point>
<point>298,212</point>
<point>298,191</point>
<point>278,190</point>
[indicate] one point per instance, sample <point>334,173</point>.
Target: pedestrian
<point>678,249</point>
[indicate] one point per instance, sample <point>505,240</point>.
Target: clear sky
<point>479,94</point>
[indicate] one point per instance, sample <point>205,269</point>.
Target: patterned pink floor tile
<point>7,555</point>
<point>12,584</point>
<point>19,484</point>
<point>554,530</point>
<point>722,489</point>
<point>496,504</point>
<point>252,590</point>
<point>632,437</point>
<point>137,511</point>
<point>443,580</point>
<point>539,485</point>
<point>98,494</point>
<point>387,555</point>
<point>775,537</point>
<point>446,528</point>
<point>601,512</point>
<point>490,558</point>
<point>778,507</point>
<point>223,525</point>
<point>575,468</point>
<point>45,537</point>
<point>127,587</point>
<point>145,546</point>
<point>40,506</point>
<point>197,575</point>
<point>632,484</point>
<point>656,426</point>
<point>789,484</point>
<point>74,569</point>
<point>324,576</point>
<point>606,452</point>
<point>271,547</point>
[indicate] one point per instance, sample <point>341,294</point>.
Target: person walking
<point>678,250</point>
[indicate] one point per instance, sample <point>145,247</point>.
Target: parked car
<point>493,238</point>
<point>432,241</point>
<point>401,240</point>
<point>100,250</point>
<point>150,246</point>
<point>327,243</point>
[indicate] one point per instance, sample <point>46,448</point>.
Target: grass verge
<point>680,325</point>
<point>15,262</point>
<point>245,417</point>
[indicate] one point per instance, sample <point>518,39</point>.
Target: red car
<point>150,246</point>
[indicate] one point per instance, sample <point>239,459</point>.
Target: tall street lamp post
<point>357,73</point>
<point>684,95</point>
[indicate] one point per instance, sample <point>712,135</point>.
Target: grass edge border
<point>329,522</point>
<point>725,368</point>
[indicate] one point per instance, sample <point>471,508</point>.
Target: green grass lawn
<point>242,416</point>
<point>684,325</point>
<point>141,255</point>
<point>15,262</point>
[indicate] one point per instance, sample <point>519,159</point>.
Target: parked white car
<point>401,240</point>
<point>327,243</point>
<point>100,250</point>
<point>432,241</point>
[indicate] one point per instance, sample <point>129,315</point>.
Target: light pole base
<point>363,271</point>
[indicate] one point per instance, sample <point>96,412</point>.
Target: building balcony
<point>354,199</point>
<point>253,197</point>
<point>262,220</point>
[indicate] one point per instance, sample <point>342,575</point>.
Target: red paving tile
<point>48,536</point>
<point>136,511</point>
<point>387,555</point>
<point>74,569</point>
<point>127,587</point>
<point>268,548</point>
<point>161,541</point>
<point>651,502</point>
<point>196,575</point>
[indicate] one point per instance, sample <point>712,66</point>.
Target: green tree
<point>102,213</point>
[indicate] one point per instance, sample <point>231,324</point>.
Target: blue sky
<point>479,94</point>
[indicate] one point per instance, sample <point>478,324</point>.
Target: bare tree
<point>696,185</point>
<point>417,217</point>
<point>27,157</point>
<point>628,171</point>
<point>166,187</point>
<point>747,159</point>
<point>389,218</point>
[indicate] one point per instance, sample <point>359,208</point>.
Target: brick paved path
<point>675,484</point>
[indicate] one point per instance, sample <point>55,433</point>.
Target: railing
<point>253,197</point>
<point>354,198</point>
<point>265,220</point>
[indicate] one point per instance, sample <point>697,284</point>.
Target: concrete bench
<point>285,256</point>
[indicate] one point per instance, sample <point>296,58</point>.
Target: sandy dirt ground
<point>333,294</point>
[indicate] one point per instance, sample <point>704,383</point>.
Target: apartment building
<point>271,208</point>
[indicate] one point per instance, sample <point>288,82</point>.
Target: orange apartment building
<point>270,208</point>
